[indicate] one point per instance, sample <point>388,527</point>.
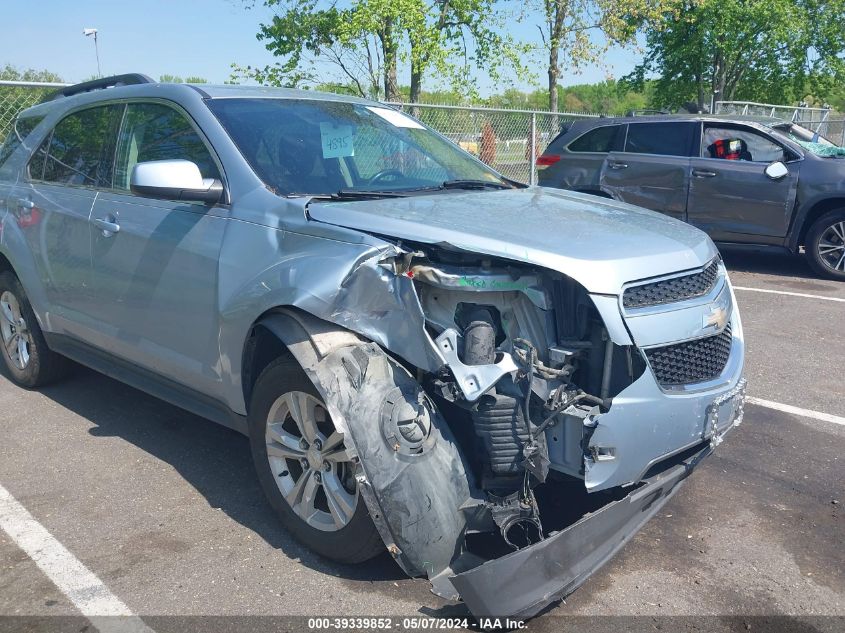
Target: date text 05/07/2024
<point>413,623</point>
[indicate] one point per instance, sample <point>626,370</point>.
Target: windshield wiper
<point>474,184</point>
<point>354,194</point>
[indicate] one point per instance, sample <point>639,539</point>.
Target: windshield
<point>324,147</point>
<point>808,139</point>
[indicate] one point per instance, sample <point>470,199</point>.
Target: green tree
<point>760,50</point>
<point>176,79</point>
<point>579,32</point>
<point>11,73</point>
<point>367,40</point>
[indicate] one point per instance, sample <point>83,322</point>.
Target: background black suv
<point>747,180</point>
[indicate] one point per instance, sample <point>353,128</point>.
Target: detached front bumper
<point>521,584</point>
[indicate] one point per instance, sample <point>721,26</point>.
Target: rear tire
<point>303,468</point>
<point>825,245</point>
<point>30,362</point>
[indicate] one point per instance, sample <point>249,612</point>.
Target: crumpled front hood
<point>600,243</point>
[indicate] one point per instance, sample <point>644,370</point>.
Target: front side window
<point>667,139</point>
<point>602,139</point>
<point>14,139</point>
<point>152,131</point>
<point>322,147</point>
<point>739,144</point>
<point>79,151</point>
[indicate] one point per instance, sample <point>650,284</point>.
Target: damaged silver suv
<point>499,384</point>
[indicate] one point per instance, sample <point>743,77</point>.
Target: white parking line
<point>790,294</point>
<point>788,408</point>
<point>75,580</point>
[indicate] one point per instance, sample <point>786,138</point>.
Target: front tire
<point>303,467</point>
<point>825,245</point>
<point>29,361</point>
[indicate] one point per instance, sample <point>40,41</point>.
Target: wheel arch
<point>817,210</point>
<point>6,265</point>
<point>288,331</point>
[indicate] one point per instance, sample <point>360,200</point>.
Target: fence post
<point>533,140</point>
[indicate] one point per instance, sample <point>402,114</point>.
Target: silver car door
<point>155,262</point>
<point>53,207</point>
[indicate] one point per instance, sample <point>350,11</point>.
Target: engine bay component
<point>406,422</point>
<point>500,424</point>
<point>480,339</point>
<point>473,380</point>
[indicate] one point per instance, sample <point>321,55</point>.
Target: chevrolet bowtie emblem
<point>718,319</point>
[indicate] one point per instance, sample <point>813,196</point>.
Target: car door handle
<point>703,173</point>
<point>108,226</point>
<point>615,165</point>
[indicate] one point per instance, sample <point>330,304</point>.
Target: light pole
<point>88,33</point>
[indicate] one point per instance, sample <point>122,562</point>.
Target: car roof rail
<point>129,79</point>
<point>646,112</point>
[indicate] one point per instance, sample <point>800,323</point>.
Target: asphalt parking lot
<point>164,507</point>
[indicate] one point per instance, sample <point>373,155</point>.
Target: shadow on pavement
<point>214,460</point>
<point>766,261</point>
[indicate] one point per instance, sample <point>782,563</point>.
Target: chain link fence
<point>507,140</point>
<point>19,95</point>
<point>825,121</point>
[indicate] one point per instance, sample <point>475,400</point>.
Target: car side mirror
<point>174,180</point>
<point>776,170</point>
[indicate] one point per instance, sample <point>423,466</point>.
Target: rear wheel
<point>304,469</point>
<point>825,245</point>
<point>29,361</point>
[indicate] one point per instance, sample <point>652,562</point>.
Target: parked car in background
<point>744,180</point>
<point>425,356</point>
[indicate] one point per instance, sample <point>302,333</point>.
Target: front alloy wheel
<point>825,245</point>
<point>832,246</point>
<point>313,471</point>
<point>304,469</point>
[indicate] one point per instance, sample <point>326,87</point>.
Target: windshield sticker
<point>395,118</point>
<point>336,140</point>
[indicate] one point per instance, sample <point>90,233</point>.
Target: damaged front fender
<point>410,471</point>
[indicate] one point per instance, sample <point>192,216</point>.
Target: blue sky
<point>180,37</point>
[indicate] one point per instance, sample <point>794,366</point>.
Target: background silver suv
<point>419,350</point>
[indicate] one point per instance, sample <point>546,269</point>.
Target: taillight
<point>547,159</point>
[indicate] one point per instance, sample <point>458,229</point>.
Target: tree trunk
<point>416,82</point>
<point>699,82</point>
<point>556,11</point>
<point>416,87</point>
<point>390,54</point>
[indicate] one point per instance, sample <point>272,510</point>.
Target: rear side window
<point>607,138</point>
<point>19,131</point>
<point>80,149</point>
<point>152,131</point>
<point>668,139</point>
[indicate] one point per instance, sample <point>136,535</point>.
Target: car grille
<point>671,290</point>
<point>692,361</point>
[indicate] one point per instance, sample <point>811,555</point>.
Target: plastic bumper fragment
<point>524,582</point>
